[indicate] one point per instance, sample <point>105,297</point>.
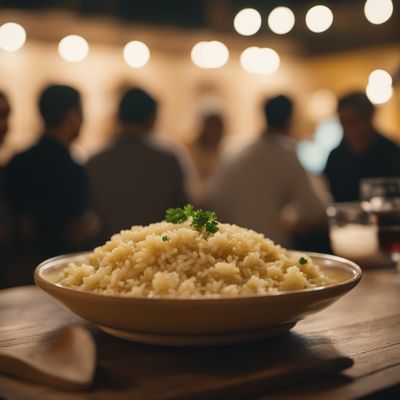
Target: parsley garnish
<point>206,220</point>
<point>201,220</point>
<point>303,261</point>
<point>189,210</point>
<point>165,238</point>
<point>176,215</point>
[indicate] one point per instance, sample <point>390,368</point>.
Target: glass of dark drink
<point>381,198</point>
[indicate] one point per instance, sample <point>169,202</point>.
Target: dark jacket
<point>45,185</point>
<point>344,169</point>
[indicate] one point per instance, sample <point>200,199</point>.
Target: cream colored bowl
<point>198,322</point>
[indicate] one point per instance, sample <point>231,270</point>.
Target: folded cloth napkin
<point>67,360</point>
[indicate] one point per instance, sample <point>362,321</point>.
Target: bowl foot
<point>198,340</point>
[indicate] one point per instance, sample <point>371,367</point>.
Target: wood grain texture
<point>364,325</point>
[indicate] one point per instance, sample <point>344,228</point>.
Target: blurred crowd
<point>51,205</point>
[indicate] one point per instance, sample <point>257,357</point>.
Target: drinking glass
<point>380,197</point>
<point>353,233</point>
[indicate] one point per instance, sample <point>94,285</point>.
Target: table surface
<point>363,325</point>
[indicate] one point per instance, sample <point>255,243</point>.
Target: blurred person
<point>363,152</point>
<point>47,189</point>
<point>4,116</point>
<point>136,179</point>
<point>314,238</point>
<point>5,220</point>
<point>278,112</point>
<point>279,108</point>
<point>206,149</point>
<point>255,188</point>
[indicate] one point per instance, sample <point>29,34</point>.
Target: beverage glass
<point>380,197</point>
<point>353,234</point>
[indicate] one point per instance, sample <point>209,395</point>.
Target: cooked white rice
<point>176,261</point>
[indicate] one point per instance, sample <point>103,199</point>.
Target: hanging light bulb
<point>73,48</point>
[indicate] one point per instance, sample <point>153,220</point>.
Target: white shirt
<point>255,188</point>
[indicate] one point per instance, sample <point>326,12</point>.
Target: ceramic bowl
<point>198,322</point>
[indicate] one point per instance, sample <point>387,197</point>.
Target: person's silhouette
<point>5,220</point>
<point>135,180</point>
<point>47,189</point>
<point>255,188</point>
<point>363,152</point>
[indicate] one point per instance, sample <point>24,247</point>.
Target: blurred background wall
<point>314,69</point>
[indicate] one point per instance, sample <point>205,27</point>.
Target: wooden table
<point>364,325</point>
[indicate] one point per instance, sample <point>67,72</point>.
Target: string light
<point>319,19</point>
<point>261,61</point>
<point>247,22</point>
<point>380,77</point>
<point>209,55</point>
<point>281,20</point>
<point>136,54</point>
<point>12,36</point>
<point>378,11</point>
<point>379,89</point>
<point>73,48</point>
<point>379,94</point>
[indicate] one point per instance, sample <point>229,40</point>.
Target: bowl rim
<point>353,281</point>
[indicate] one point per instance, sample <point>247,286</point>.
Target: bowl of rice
<point>171,284</point>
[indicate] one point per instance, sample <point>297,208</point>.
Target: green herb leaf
<point>175,215</point>
<point>205,220</point>
<point>201,220</point>
<point>189,210</point>
<point>303,261</point>
<point>211,226</point>
<point>165,238</point>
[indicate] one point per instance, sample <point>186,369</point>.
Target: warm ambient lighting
<point>261,61</point>
<point>378,11</point>
<point>319,19</point>
<point>12,36</point>
<point>208,55</point>
<point>136,54</point>
<point>247,22</point>
<point>281,20</point>
<point>322,104</point>
<point>73,48</point>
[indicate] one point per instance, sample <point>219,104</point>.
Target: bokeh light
<point>261,61</point>
<point>281,20</point>
<point>378,11</point>
<point>319,19</point>
<point>379,89</point>
<point>247,22</point>
<point>209,55</point>
<point>12,36</point>
<point>379,94</point>
<point>136,54</point>
<point>328,134</point>
<point>312,156</point>
<point>73,48</point>
<point>380,77</point>
<point>198,54</point>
